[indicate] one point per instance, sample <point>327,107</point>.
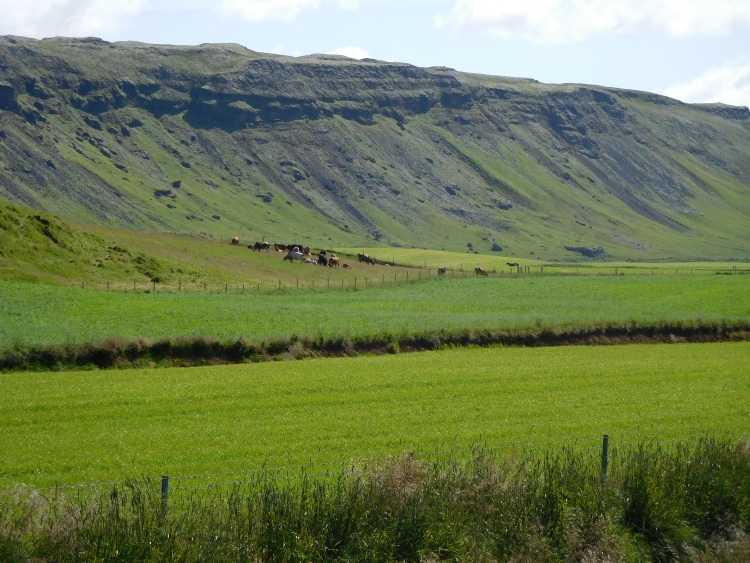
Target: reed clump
<point>689,502</point>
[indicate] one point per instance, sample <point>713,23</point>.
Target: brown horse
<point>333,261</point>
<point>366,258</point>
<point>236,240</point>
<point>480,272</point>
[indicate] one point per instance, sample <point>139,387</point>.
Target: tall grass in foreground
<point>690,502</point>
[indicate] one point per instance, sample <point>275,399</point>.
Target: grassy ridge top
<point>366,153</point>
<point>81,427</point>
<point>41,314</point>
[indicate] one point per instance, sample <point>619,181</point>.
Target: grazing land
<point>95,426</point>
<point>424,258</point>
<point>45,314</point>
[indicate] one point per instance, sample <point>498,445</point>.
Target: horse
<point>513,264</point>
<point>480,272</point>
<point>366,258</point>
<point>442,270</point>
<point>236,240</point>
<point>292,256</point>
<point>333,261</point>
<point>261,246</point>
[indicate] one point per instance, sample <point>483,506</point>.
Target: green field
<point>45,314</point>
<point>95,426</point>
<point>424,258</point>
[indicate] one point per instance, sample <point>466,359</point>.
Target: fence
<point>173,486</point>
<point>408,275</point>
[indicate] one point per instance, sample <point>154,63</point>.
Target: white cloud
<point>569,21</point>
<point>729,84</point>
<point>46,18</point>
<point>348,4</point>
<point>351,52</point>
<point>262,10</point>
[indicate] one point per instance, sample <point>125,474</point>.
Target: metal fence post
<point>605,458</point>
<point>164,492</point>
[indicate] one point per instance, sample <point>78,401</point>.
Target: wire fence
<point>403,274</point>
<point>593,445</point>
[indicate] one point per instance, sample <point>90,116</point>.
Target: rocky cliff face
<point>217,138</point>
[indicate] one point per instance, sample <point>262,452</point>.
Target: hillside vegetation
<point>219,141</point>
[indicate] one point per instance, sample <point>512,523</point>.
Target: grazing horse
<point>281,247</point>
<point>346,266</point>
<point>292,256</point>
<point>366,258</point>
<point>480,272</point>
<point>513,264</point>
<point>236,240</point>
<point>323,259</point>
<point>261,246</point>
<point>442,271</point>
<point>333,261</point>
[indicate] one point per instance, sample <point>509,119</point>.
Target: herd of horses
<point>304,254</point>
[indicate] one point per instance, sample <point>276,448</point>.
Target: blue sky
<point>694,50</point>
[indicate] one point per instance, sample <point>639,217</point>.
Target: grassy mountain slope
<point>40,247</point>
<point>219,140</point>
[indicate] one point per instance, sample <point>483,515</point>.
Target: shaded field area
<point>32,314</point>
<point>100,426</point>
<point>685,502</point>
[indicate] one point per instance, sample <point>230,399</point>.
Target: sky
<point>691,50</point>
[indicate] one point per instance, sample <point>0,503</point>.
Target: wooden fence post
<point>605,453</point>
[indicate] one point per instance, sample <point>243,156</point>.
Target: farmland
<point>98,426</point>
<point>44,314</point>
<point>425,258</point>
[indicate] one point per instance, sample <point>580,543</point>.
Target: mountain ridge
<point>219,138</point>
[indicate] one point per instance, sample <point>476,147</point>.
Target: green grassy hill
<point>219,141</point>
<point>40,247</point>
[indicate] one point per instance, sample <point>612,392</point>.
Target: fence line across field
<point>275,472</point>
<point>383,280</point>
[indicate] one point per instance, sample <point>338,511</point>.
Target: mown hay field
<point>99,426</point>
<point>44,314</point>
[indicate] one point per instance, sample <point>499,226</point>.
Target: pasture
<point>95,426</point>
<point>423,258</point>
<point>44,314</point>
